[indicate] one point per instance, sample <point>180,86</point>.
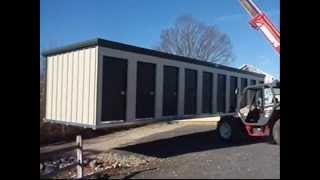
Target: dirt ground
<point>94,147</point>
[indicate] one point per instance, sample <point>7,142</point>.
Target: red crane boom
<point>261,22</point>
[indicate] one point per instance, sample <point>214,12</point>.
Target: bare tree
<point>194,39</point>
<point>42,89</point>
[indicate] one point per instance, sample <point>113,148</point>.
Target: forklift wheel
<point>229,129</point>
<point>276,132</point>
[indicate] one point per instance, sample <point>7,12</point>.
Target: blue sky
<point>139,23</point>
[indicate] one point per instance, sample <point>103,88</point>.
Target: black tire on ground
<point>276,132</point>
<point>236,129</point>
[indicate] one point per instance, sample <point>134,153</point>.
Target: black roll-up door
<point>114,87</point>
<point>251,93</point>
<point>207,92</point>
<point>190,104</point>
<point>145,97</point>
<point>170,90</point>
<point>244,84</point>
<point>233,95</point>
<point>221,94</point>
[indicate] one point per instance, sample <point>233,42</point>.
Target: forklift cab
<point>257,103</point>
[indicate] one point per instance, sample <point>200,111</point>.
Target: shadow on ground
<point>178,145</point>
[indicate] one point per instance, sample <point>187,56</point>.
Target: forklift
<point>258,106</point>
<point>257,114</point>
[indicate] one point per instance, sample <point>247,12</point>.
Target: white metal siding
<point>54,87</point>
<point>71,91</point>
<point>69,88</point>
<point>75,68</point>
<point>49,88</point>
<point>86,87</point>
<point>64,79</point>
<point>80,88</point>
<point>92,83</point>
<point>59,87</point>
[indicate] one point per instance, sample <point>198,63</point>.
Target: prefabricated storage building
<point>99,83</point>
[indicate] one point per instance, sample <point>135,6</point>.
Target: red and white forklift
<point>258,106</point>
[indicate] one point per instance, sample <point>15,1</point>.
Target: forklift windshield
<point>276,92</point>
<point>256,100</point>
<point>252,103</point>
<point>251,96</point>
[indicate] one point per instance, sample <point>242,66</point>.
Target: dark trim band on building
<point>135,49</point>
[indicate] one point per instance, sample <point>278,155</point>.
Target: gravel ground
<point>195,152</point>
<point>104,165</point>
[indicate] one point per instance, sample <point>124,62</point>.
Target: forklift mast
<point>260,21</point>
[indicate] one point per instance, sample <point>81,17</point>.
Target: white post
<point>227,94</point>
<point>181,92</point>
<point>159,91</point>
<point>131,90</point>
<point>79,156</point>
<point>239,92</point>
<point>199,92</point>
<point>214,94</point>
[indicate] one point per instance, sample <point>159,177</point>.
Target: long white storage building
<point>101,83</point>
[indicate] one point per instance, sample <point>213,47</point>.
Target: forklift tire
<point>230,129</point>
<point>276,132</point>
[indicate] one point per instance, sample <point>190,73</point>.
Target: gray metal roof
<point>135,49</point>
